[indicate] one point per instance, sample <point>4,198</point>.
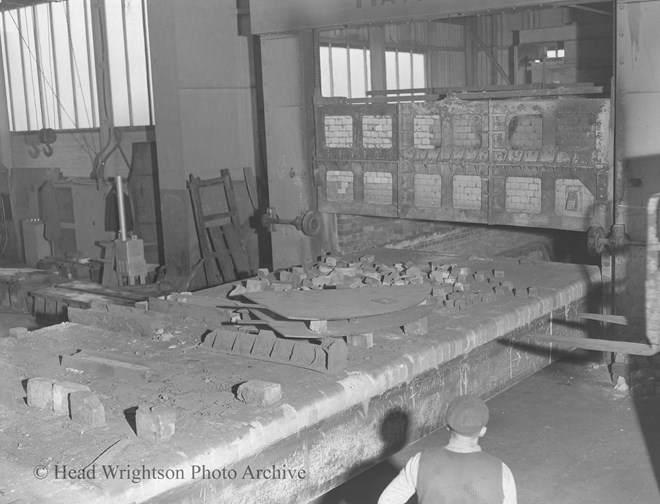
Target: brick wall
<point>358,232</point>
<point>427,131</point>
<point>378,188</point>
<point>526,132</point>
<point>338,131</point>
<point>523,194</point>
<point>428,190</point>
<point>376,132</point>
<point>467,192</point>
<point>466,130</point>
<point>339,185</point>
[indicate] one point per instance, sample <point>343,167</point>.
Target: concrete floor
<point>13,319</point>
<point>567,436</point>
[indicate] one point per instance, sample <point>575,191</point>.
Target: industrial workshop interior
<point>329,251</point>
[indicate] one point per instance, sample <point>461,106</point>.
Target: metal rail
<point>652,302</point>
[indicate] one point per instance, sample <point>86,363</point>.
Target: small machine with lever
<point>129,251</point>
<point>308,222</point>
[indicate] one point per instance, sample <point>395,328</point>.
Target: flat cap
<point>467,415</point>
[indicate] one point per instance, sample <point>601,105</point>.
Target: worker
<point>459,472</point>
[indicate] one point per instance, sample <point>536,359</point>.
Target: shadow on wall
<point>394,434</point>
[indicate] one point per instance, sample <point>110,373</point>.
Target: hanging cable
<point>41,76</point>
<point>72,52</point>
<point>87,148</point>
<point>27,46</point>
<point>51,59</point>
<point>4,226</point>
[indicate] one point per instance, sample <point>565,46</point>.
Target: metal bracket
<point>598,241</point>
<point>308,222</point>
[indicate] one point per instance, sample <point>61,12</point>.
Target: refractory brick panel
<point>338,131</point>
<point>466,131</point>
<point>377,132</point>
<point>467,192</point>
<point>378,188</point>
<point>526,132</point>
<point>572,198</point>
<point>523,194</point>
<point>575,131</point>
<point>428,190</point>
<point>427,131</point>
<point>495,162</point>
<point>339,185</point>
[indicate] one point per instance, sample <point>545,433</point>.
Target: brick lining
<point>378,188</point>
<point>428,190</point>
<point>526,132</point>
<point>523,194</point>
<point>339,185</point>
<point>467,192</point>
<point>338,131</point>
<point>377,132</point>
<point>427,131</point>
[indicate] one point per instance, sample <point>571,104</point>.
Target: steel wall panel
<point>269,16</point>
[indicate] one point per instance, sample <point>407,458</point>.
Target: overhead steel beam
<point>17,4</point>
<point>272,16</point>
<point>591,9</point>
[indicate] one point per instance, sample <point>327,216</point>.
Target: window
<point>555,52</point>
<point>346,70</point>
<point>405,69</point>
<point>49,64</point>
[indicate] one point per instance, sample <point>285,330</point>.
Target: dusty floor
<point>566,434</point>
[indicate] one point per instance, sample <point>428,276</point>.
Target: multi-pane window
<point>556,51</point>
<point>405,69</point>
<point>49,64</point>
<point>346,70</point>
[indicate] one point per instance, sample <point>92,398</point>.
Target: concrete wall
<point>74,151</point>
<point>288,80</point>
<point>204,105</point>
<point>637,166</point>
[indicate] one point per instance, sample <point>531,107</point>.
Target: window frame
<point>62,93</point>
<point>330,44</point>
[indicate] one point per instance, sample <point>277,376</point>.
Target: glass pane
<point>14,69</point>
<point>117,63</point>
<point>324,56</point>
<point>340,71</point>
<point>137,62</point>
<point>367,55</point>
<point>405,70</point>
<point>390,70</point>
<point>358,74</point>
<point>46,68</point>
<point>33,107</point>
<point>65,72</point>
<point>81,54</point>
<point>419,70</point>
